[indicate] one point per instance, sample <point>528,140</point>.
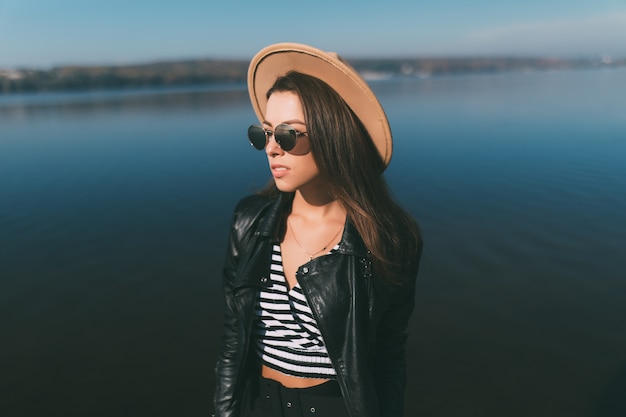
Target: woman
<point>320,272</point>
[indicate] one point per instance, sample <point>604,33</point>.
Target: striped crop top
<point>287,337</point>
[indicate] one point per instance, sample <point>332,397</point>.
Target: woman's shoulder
<point>252,205</point>
<point>252,209</point>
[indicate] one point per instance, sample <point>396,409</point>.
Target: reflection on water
<point>68,105</point>
<point>114,209</point>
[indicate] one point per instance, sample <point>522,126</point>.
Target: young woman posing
<point>320,273</point>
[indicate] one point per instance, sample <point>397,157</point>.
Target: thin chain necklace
<point>311,255</point>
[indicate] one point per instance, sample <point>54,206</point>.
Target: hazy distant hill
<point>199,72</point>
<point>107,77</point>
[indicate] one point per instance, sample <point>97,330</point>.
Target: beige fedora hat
<point>276,60</point>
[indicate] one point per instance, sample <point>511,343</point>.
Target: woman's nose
<point>272,147</point>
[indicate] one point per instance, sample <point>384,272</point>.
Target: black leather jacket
<point>363,320</point>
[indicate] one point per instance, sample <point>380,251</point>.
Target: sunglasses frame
<point>286,136</point>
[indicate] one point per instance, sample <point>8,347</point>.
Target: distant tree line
<point>443,66</point>
<point>73,78</point>
<point>199,72</point>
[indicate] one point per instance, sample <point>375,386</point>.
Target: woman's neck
<point>318,205</point>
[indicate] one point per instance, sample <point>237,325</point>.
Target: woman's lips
<point>279,170</point>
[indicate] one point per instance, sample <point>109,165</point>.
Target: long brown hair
<point>347,157</point>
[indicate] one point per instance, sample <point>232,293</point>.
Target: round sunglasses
<point>286,136</point>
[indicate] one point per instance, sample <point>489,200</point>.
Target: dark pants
<point>271,399</point>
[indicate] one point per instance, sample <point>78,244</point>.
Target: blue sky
<point>44,33</point>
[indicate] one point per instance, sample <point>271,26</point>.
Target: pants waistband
<point>272,399</point>
<point>327,389</point>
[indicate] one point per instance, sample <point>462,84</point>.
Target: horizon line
<point>166,60</point>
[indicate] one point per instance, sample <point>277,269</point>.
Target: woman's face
<point>296,169</point>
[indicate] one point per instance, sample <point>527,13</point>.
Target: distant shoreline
<point>208,71</point>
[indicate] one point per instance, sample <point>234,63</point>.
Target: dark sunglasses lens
<point>285,136</point>
<point>256,135</point>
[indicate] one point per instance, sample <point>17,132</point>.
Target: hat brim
<point>279,59</point>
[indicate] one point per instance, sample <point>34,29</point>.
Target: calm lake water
<point>114,209</point>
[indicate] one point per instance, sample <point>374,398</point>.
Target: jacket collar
<point>270,223</point>
<point>351,242</point>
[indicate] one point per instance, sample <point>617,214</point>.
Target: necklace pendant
<point>311,255</point>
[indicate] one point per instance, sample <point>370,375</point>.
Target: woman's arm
<point>390,346</point>
<point>226,367</point>
<point>389,356</point>
<point>247,213</point>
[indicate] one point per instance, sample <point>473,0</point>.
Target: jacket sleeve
<point>227,397</point>
<point>225,403</point>
<point>390,347</point>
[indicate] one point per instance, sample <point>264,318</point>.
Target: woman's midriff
<point>288,380</point>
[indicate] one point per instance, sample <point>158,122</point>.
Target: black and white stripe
<point>287,336</point>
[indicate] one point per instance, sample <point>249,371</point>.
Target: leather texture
<point>363,320</point>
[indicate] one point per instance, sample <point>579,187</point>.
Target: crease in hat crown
<point>278,59</point>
